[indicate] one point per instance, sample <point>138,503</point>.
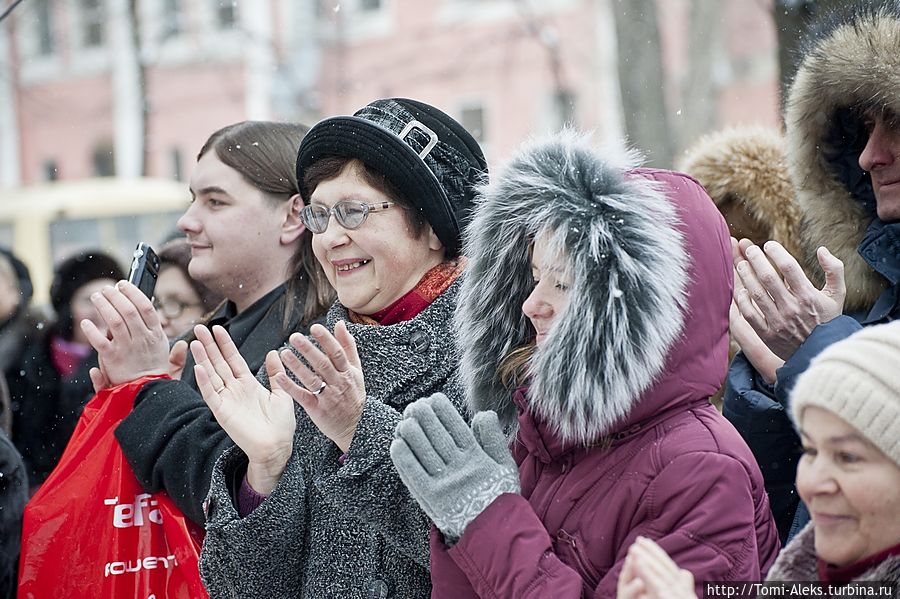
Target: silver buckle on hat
<point>432,141</point>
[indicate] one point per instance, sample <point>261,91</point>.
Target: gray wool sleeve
<point>255,556</point>
<point>369,488</point>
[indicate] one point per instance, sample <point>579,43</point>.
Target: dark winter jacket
<point>798,563</point>
<point>75,394</point>
<point>171,439</point>
<point>330,530</point>
<point>13,495</point>
<point>616,436</point>
<point>849,64</point>
<point>16,333</point>
<point>16,336</point>
<point>42,423</point>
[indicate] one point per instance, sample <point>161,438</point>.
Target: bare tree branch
<point>9,9</point>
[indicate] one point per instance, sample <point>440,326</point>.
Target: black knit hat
<point>424,153</point>
<point>76,271</point>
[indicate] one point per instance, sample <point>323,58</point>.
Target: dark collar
<point>257,329</point>
<point>240,324</point>
<point>880,248</point>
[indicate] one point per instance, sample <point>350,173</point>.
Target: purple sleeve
<point>447,578</point>
<point>507,552</point>
<point>248,499</point>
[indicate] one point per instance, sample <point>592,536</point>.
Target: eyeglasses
<point>349,214</point>
<point>171,308</point>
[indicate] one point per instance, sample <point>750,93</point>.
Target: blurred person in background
<point>17,325</point>
<point>180,300</point>
<point>745,171</point>
<point>13,495</point>
<point>50,362</point>
<point>16,328</point>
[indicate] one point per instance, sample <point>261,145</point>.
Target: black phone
<point>144,269</point>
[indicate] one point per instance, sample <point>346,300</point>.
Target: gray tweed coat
<point>328,530</point>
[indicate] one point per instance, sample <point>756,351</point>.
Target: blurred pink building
<point>88,89</point>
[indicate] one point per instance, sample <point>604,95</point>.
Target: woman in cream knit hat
<point>846,407</point>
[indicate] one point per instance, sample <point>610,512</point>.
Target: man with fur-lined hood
<point>844,148</point>
<point>593,322</point>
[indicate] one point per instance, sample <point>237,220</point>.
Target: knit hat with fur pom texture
<point>856,379</point>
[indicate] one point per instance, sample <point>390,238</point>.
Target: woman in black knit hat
<point>50,366</point>
<point>313,507</point>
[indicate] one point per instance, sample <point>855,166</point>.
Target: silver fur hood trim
<point>629,277</point>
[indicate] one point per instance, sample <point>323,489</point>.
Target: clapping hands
<point>262,421</point>
<point>649,573</point>
<point>134,344</point>
<point>777,300</point>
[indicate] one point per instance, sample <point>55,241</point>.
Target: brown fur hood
<point>745,171</point>
<point>851,62</point>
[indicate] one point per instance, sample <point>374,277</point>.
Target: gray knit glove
<point>453,472</point>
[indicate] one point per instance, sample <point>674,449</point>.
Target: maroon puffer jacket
<point>673,469</point>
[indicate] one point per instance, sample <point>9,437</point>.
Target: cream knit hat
<point>858,379</point>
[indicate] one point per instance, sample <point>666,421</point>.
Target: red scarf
<point>435,282</point>
<point>842,574</point>
<point>67,355</point>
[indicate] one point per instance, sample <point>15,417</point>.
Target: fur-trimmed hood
<point>745,172</point>
<point>851,62</point>
<point>646,325</point>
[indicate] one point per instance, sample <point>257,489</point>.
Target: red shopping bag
<point>91,530</point>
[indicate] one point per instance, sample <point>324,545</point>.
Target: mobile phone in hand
<point>144,269</point>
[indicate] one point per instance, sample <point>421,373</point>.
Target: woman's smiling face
<point>852,489</point>
<point>375,265</point>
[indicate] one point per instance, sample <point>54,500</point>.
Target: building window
<point>226,14</point>
<point>104,161</point>
<point>93,31</point>
<point>370,5</point>
<point>50,170</point>
<point>472,119</point>
<point>175,162</point>
<point>172,18</point>
<point>43,22</point>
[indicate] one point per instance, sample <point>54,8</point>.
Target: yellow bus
<point>45,223</point>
